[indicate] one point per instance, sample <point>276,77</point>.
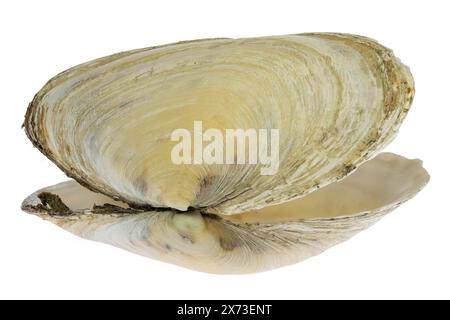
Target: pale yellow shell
<point>336,99</point>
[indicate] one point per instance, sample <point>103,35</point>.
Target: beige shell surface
<point>245,243</point>
<point>336,99</point>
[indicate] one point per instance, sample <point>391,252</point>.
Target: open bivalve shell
<point>333,100</point>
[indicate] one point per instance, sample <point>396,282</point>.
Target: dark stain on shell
<point>187,238</point>
<point>108,208</point>
<point>52,204</point>
<point>227,244</point>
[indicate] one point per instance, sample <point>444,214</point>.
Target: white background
<point>406,255</point>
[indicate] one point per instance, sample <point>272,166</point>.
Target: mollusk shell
<point>336,99</point>
<point>252,242</point>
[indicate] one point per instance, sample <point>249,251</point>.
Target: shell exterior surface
<point>246,243</point>
<point>336,99</point>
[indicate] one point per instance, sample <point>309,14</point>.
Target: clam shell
<point>337,100</point>
<point>250,242</point>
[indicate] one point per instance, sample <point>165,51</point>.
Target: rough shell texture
<point>337,99</point>
<point>251,242</point>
